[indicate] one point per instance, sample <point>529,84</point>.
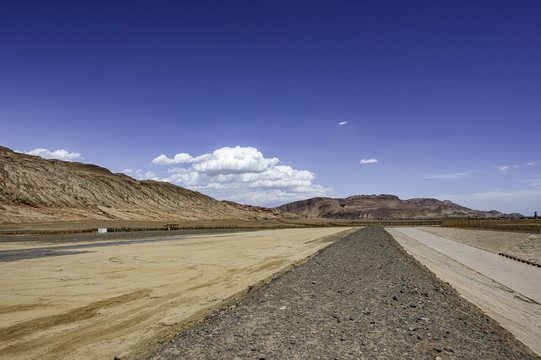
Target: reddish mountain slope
<point>382,207</point>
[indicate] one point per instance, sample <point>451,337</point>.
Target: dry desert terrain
<point>101,300</point>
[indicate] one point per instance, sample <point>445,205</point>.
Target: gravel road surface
<point>363,297</point>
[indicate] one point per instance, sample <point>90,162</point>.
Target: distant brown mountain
<point>33,189</point>
<point>383,207</point>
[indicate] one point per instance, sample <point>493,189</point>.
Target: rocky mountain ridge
<point>33,189</point>
<point>368,207</point>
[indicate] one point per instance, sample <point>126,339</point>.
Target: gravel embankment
<point>360,298</point>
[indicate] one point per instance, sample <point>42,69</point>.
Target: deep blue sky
<point>445,95</point>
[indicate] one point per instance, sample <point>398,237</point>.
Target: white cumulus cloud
<point>60,154</point>
<point>236,160</point>
<point>369,161</point>
<point>342,123</point>
<point>177,159</point>
<point>148,175</point>
<point>241,174</point>
<point>226,160</point>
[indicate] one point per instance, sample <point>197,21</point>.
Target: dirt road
<point>97,301</point>
<point>506,290</point>
<point>523,245</point>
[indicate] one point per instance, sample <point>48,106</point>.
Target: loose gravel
<point>362,297</point>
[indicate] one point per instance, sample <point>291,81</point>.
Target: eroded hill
<point>33,189</point>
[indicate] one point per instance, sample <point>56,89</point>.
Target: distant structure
<point>175,226</point>
<point>535,214</point>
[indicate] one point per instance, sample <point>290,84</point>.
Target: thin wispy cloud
<point>342,123</point>
<point>447,176</point>
<point>369,161</point>
<point>502,170</point>
<point>506,168</point>
<point>533,182</point>
<point>505,201</point>
<point>60,154</point>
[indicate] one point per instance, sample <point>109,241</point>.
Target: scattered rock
<point>366,311</point>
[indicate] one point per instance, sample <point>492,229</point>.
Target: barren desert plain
<point>113,299</point>
<point>125,298</point>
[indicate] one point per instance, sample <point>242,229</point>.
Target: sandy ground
<point>121,300</point>
<point>518,313</point>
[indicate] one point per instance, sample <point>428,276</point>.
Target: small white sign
<point>102,230</point>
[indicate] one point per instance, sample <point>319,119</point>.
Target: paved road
<point>522,278</point>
